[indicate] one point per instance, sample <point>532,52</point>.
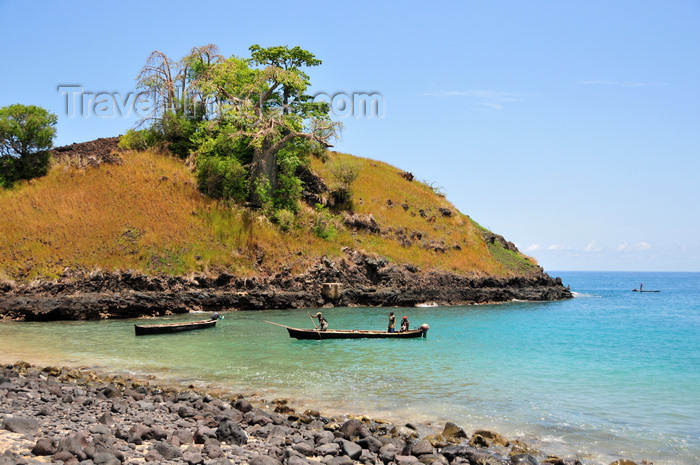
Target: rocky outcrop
<point>92,153</point>
<point>364,279</point>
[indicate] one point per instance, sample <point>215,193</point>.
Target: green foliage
<point>510,259</point>
<point>289,186</point>
<point>216,140</point>
<point>142,139</point>
<point>263,190</point>
<point>284,218</point>
<point>344,172</point>
<point>222,178</point>
<point>341,199</point>
<point>171,131</point>
<point>263,120</point>
<point>325,225</point>
<point>26,137</point>
<point>176,131</point>
<point>6,172</point>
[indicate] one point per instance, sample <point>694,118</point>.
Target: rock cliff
<point>363,279</point>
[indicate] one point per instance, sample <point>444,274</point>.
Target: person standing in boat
<point>392,323</point>
<point>404,325</point>
<point>322,323</point>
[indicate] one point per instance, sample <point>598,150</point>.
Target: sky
<point>572,128</point>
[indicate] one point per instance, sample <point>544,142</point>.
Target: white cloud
<point>557,247</point>
<point>533,248</point>
<point>626,247</point>
<point>592,247</point>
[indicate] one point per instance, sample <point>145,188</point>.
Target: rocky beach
<point>79,416</point>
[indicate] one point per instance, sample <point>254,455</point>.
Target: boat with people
<point>316,334</point>
<point>167,328</point>
<point>642,290</point>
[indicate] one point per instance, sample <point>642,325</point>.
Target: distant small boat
<point>167,328</point>
<point>642,290</point>
<point>306,334</point>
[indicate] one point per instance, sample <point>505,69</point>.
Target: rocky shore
<point>355,279</point>
<point>77,416</point>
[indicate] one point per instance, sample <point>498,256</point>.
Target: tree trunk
<point>263,170</point>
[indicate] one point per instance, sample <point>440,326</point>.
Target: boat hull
<point>311,334</point>
<point>169,328</point>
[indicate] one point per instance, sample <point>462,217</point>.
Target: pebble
<point>70,416</point>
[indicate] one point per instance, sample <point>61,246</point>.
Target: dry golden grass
<point>397,203</point>
<point>147,215</point>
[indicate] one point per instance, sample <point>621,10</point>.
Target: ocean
<point>609,374</point>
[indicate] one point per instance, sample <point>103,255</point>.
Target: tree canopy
<point>246,122</point>
<point>26,136</point>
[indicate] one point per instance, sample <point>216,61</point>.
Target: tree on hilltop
<point>26,137</point>
<point>246,118</point>
<point>173,84</point>
<point>269,108</point>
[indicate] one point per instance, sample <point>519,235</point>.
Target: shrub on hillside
<point>142,139</point>
<point>222,178</point>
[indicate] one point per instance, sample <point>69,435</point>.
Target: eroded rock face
<point>364,280</point>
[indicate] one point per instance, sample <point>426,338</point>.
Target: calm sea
<point>610,374</point>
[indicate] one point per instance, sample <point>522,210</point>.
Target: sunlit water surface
<point>610,374</point>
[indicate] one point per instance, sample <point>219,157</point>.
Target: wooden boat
<point>298,333</point>
<point>167,328</point>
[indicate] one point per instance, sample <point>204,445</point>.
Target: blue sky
<point>570,127</point>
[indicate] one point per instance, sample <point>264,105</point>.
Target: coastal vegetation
<point>145,213</point>
<point>26,135</point>
<point>230,173</point>
<point>246,125</point>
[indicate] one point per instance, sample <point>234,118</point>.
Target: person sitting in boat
<point>404,325</point>
<point>322,323</point>
<point>392,323</point>
<point>215,316</point>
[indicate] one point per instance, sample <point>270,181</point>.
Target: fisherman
<point>404,325</point>
<point>322,323</point>
<point>215,316</point>
<point>392,323</point>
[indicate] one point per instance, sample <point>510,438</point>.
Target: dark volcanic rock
<point>217,434</point>
<point>92,153</point>
<point>364,280</point>
<point>167,451</point>
<point>44,446</point>
<point>20,424</point>
<point>229,432</point>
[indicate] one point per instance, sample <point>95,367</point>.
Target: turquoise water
<point>610,374</point>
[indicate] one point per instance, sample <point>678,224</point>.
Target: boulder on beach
<point>20,424</point>
<point>230,433</point>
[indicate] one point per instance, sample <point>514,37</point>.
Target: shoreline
<point>50,394</point>
<point>363,281</point>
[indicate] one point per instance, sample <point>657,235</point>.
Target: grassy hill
<point>146,214</point>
